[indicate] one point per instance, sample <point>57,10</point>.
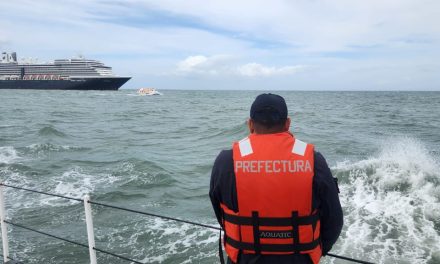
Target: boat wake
<point>391,205</point>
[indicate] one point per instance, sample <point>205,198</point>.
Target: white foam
<point>391,203</point>
<point>74,183</point>
<point>8,155</point>
<point>15,199</point>
<point>172,239</point>
<point>43,147</point>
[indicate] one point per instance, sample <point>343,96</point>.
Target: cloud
<point>192,62</point>
<point>257,70</point>
<point>304,26</point>
<point>315,26</point>
<point>228,66</point>
<point>300,27</point>
<point>199,64</point>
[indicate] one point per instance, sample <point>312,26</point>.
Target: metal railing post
<point>90,233</point>
<point>5,242</point>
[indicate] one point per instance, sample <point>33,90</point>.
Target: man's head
<point>268,115</point>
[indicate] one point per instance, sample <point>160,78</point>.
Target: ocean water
<point>155,154</point>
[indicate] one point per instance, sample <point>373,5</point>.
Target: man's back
<point>273,194</point>
<point>222,189</point>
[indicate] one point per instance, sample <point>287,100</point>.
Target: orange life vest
<point>274,175</point>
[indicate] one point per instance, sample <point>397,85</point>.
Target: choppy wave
<point>50,131</point>
<point>48,147</point>
<point>154,240</point>
<point>157,155</point>
<point>392,205</point>
<point>8,154</point>
<point>142,173</point>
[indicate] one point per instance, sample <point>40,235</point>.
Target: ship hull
<point>102,83</point>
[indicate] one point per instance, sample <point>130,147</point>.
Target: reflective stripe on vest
<point>274,175</point>
<point>299,147</point>
<point>245,147</point>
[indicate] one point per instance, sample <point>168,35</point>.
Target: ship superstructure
<point>75,74</point>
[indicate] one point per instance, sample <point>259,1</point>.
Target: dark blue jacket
<point>325,198</point>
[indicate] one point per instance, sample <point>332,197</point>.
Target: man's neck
<point>266,132</point>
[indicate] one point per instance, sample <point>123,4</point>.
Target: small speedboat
<point>148,91</point>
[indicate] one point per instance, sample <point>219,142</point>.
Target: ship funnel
<point>9,57</point>
<point>14,56</point>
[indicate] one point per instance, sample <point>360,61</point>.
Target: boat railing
<point>89,226</point>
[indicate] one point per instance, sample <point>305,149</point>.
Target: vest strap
<point>271,221</point>
<point>273,247</point>
<point>256,227</point>
<point>295,228</point>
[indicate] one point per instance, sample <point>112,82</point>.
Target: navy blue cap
<point>269,108</point>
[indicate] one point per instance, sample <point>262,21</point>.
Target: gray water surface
<point>155,154</point>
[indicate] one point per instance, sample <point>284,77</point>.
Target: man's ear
<point>287,124</point>
<point>251,127</point>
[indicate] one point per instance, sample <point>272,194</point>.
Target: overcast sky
<point>250,44</point>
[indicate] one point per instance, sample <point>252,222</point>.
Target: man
<point>273,194</point>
